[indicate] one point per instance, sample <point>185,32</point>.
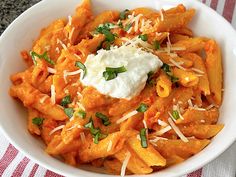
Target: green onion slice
<point>69,112</point>
<point>143,137</point>
<point>105,119</point>
<point>37,121</point>
<point>142,108</point>
<point>66,100</point>
<point>43,56</point>
<point>81,66</point>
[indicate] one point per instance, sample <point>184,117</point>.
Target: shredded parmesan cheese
<point>109,146</point>
<point>43,99</point>
<point>80,106</point>
<point>197,70</point>
<point>57,50</point>
<point>210,106</point>
<point>53,94</point>
<point>71,33</point>
<point>153,141</point>
<point>130,114</point>
<point>190,103</point>
<point>77,56</point>
<point>125,163</point>
<point>72,127</point>
<point>47,47</point>
<point>177,130</point>
<point>56,129</point>
<point>162,16</point>
<point>69,20</point>
<point>177,64</point>
<point>164,130</point>
<point>62,44</point>
<point>162,123</point>
<point>66,73</point>
<point>51,70</point>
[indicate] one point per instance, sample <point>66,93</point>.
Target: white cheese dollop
<point>127,84</point>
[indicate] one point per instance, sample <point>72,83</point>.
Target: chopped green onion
<point>66,100</point>
<point>175,114</point>
<point>37,121</point>
<point>105,119</point>
<point>43,56</point>
<point>105,29</point>
<point>96,132</point>
<point>81,66</point>
<point>109,36</point>
<point>142,108</point>
<point>143,37</point>
<point>124,14</point>
<point>150,80</point>
<point>166,69</point>
<point>120,24</point>
<point>156,45</point>
<point>127,27</point>
<point>111,73</point>
<point>143,137</point>
<point>69,112</point>
<point>81,114</point>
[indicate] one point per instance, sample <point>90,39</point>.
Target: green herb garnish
<point>111,73</point>
<point>81,114</point>
<point>69,112</point>
<point>66,100</point>
<point>124,14</point>
<point>166,69</point>
<point>127,27</point>
<point>175,114</point>
<point>105,29</point>
<point>81,66</point>
<point>142,108</point>
<point>156,45</point>
<point>143,37</point>
<point>96,132</point>
<point>105,119</point>
<point>37,121</point>
<point>143,137</point>
<point>150,80</point>
<point>43,56</point>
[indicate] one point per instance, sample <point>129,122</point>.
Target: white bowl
<point>21,33</point>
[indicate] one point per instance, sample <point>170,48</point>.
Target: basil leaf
<point>116,70</point>
<point>166,69</point>
<point>105,119</point>
<point>143,37</point>
<point>156,45</point>
<point>43,56</point>
<point>66,100</point>
<point>175,114</point>
<point>109,75</point>
<point>37,121</point>
<point>143,137</point>
<point>69,112</point>
<point>81,66</point>
<point>142,108</point>
<point>124,14</point>
<point>109,36</point>
<point>127,27</point>
<point>81,114</point>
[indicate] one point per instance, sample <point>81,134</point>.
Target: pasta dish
<point>132,92</point>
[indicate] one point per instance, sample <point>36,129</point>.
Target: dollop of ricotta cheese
<point>128,84</point>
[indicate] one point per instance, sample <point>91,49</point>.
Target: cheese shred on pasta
<point>125,163</point>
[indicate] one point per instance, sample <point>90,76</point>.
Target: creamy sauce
<point>127,84</point>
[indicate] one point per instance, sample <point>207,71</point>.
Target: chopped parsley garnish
<point>143,37</point>
<point>111,73</point>
<point>150,80</point>
<point>69,112</point>
<point>124,14</point>
<point>81,66</point>
<point>143,137</point>
<point>127,27</point>
<point>37,121</point>
<point>175,114</point>
<point>81,114</point>
<point>156,45</point>
<point>105,119</point>
<point>105,29</point>
<point>43,56</point>
<point>96,132</point>
<point>166,69</point>
<point>142,108</point>
<point>66,100</point>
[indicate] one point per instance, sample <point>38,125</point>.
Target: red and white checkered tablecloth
<point>14,164</point>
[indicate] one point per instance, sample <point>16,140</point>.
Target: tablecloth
<point>14,164</point>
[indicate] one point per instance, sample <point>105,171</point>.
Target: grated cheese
<point>43,99</point>
<point>53,94</point>
<point>80,106</point>
<point>145,126</point>
<point>138,137</point>
<point>190,103</point>
<point>162,123</point>
<point>51,70</point>
<point>164,130</point>
<point>66,73</point>
<point>130,114</point>
<point>125,163</point>
<point>177,64</point>
<point>66,91</point>
<point>162,16</point>
<point>62,44</point>
<point>198,70</point>
<point>47,47</point>
<point>177,130</point>
<point>71,33</point>
<point>56,129</point>
<point>136,22</point>
<point>130,29</point>
<point>77,56</point>
<point>109,146</point>
<point>69,20</point>
<point>210,106</point>
<point>74,126</point>
<point>153,141</point>
<point>82,136</point>
<point>57,50</point>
